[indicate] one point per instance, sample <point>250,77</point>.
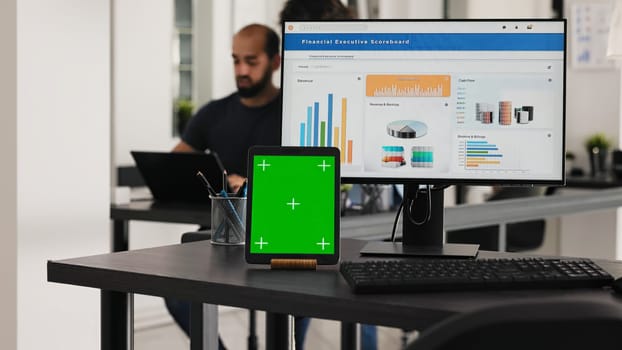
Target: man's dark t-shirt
<point>229,128</point>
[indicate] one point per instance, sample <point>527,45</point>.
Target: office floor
<point>323,334</point>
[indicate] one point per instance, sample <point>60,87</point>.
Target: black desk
<point>147,210</point>
<point>210,274</point>
<point>116,310</point>
<point>593,182</point>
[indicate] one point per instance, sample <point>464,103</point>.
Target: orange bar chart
<point>474,162</point>
<point>408,86</point>
<point>349,160</point>
<point>344,113</point>
<point>336,136</point>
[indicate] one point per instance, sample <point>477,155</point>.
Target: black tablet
<point>293,204</point>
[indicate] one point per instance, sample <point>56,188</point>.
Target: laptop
<point>171,176</point>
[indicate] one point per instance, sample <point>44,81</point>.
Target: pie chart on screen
<point>407,129</point>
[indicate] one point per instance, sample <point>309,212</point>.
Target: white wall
<point>410,9</point>
<point>508,8</point>
<point>500,8</point>
<point>8,175</point>
<point>202,51</point>
<point>63,159</point>
<point>142,73</point>
<point>219,39</point>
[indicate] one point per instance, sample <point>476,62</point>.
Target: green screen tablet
<point>293,204</point>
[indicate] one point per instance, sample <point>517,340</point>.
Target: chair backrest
<point>129,176</point>
<point>520,236</point>
<point>524,235</point>
<point>558,324</point>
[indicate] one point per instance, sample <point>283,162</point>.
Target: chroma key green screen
<point>293,205</point>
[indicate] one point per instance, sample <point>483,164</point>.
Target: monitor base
<point>398,249</point>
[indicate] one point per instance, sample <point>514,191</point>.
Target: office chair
<point>563,324</point>
<point>520,236</point>
<point>129,176</point>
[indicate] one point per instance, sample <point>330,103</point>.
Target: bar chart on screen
<point>482,154</point>
<point>502,152</point>
<point>324,116</point>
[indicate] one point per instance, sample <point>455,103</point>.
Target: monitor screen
<point>432,101</point>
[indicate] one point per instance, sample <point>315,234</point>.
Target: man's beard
<point>255,89</point>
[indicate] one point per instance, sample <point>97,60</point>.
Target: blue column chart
<point>321,133</point>
<point>314,132</point>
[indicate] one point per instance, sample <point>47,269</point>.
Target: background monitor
<point>429,101</point>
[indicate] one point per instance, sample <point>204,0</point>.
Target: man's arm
<point>183,147</point>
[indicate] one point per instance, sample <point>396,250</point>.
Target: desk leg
<point>116,307</point>
<point>348,336</point>
<point>277,331</point>
<point>503,239</point>
<point>120,235</point>
<point>252,330</point>
<point>203,326</point>
<point>115,333</point>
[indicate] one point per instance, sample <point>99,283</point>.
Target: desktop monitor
<point>429,102</point>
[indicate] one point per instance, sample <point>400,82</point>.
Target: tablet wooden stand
<point>293,264</point>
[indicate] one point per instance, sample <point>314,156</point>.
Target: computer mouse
<point>617,285</point>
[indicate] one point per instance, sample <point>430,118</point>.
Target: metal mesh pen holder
<point>228,220</point>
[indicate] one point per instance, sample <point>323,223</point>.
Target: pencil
<point>224,181</point>
<point>209,187</point>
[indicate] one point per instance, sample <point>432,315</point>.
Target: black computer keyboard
<point>436,274</point>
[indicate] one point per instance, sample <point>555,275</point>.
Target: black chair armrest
<point>195,236</point>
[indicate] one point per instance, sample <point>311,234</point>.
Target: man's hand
<point>183,147</point>
<point>235,182</point>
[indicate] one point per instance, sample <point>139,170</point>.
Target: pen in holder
<point>228,219</point>
<point>228,213</point>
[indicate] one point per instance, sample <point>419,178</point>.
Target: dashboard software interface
<point>449,100</point>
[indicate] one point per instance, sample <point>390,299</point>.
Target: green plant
<point>184,109</point>
<point>183,112</point>
<point>598,140</point>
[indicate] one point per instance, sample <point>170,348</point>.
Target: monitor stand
<point>427,239</point>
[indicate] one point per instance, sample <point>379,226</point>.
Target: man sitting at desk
<point>251,116</point>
